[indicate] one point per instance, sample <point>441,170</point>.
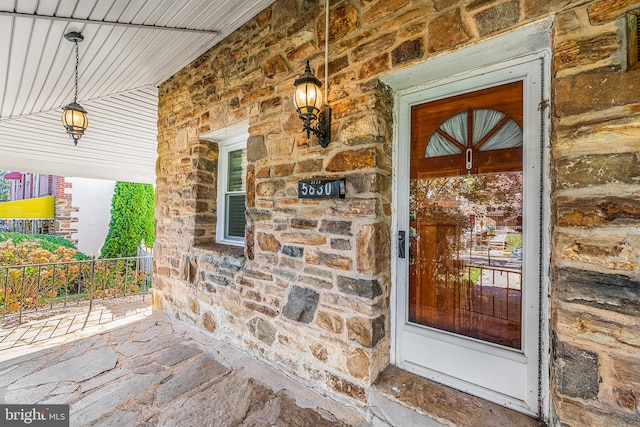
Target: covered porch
<point>315,252</point>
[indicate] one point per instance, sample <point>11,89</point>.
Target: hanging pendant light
<point>74,117</point>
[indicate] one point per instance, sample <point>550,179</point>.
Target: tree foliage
<point>458,197</point>
<point>4,187</point>
<point>131,219</point>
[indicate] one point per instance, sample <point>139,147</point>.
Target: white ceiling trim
<point>114,23</point>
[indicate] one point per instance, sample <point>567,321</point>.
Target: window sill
<point>221,249</point>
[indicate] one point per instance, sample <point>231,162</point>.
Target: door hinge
<point>543,105</point>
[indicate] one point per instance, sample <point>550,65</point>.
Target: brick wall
<point>310,292</point>
<point>64,221</point>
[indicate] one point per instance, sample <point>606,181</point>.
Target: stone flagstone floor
<point>131,367</point>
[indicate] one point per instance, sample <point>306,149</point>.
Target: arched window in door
<point>462,135</point>
<point>471,131</point>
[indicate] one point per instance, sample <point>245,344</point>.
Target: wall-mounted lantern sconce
<point>74,117</point>
<point>315,115</point>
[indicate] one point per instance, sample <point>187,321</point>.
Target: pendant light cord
<point>75,97</point>
<point>326,53</point>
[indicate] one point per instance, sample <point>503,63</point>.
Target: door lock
<point>401,244</point>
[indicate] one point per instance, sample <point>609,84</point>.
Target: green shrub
<point>513,241</point>
<point>47,242</point>
<point>131,220</point>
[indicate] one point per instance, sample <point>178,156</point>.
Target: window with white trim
<point>232,171</point>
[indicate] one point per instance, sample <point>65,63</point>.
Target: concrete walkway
<point>131,367</point>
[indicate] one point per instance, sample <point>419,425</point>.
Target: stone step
<point>387,412</point>
<point>401,398</point>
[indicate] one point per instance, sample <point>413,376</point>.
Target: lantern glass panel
<point>308,98</point>
<point>74,119</point>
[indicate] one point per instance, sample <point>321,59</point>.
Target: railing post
<point>493,305</point>
<point>126,273</point>
<point>79,280</point>
<point>115,273</point>
<point>38,289</point>
<point>91,283</point>
<point>93,275</point>
<point>144,268</point>
<point>53,284</point>
<point>507,297</point>
<point>6,293</point>
<point>104,279</point>
<point>21,294</point>
<point>66,285</point>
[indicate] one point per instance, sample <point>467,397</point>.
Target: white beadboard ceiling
<point>128,50</point>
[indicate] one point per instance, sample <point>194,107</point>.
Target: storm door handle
<point>402,252</point>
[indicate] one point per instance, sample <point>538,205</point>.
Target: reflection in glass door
<point>466,255</point>
<point>465,215</point>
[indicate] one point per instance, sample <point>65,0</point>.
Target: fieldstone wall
<point>310,291</point>
<point>596,239</point>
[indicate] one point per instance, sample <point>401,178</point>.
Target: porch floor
<point>131,367</point>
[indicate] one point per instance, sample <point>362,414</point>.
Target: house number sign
<point>322,189</point>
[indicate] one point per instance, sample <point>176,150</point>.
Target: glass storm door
<point>465,215</point>
<point>469,314</point>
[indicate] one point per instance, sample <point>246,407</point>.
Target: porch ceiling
<point>120,69</point>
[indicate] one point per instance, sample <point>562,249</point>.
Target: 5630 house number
<point>322,189</point>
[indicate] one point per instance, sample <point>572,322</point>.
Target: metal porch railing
<point>49,286</point>
<point>496,293</point>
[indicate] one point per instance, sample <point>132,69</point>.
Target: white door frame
<point>529,43</point>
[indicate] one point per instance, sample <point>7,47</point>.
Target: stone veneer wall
<point>310,292</point>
